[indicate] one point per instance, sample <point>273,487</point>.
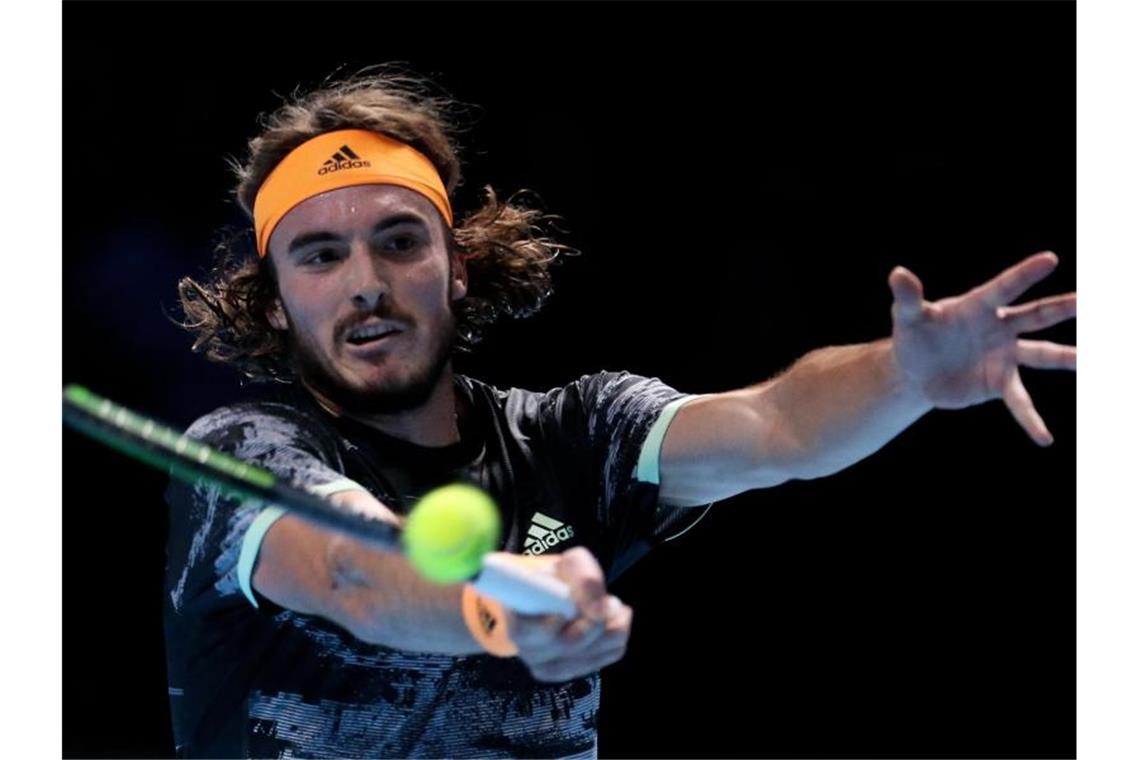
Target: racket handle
<point>523,589</point>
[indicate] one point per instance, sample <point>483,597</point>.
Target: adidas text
<point>328,168</point>
<point>545,532</point>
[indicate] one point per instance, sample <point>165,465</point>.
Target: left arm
<point>838,405</point>
<point>832,408</point>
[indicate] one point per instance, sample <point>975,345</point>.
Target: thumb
<point>581,571</point>
<point>907,291</point>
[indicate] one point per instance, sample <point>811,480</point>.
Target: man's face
<point>360,260</point>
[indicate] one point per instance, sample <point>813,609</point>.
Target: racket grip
<point>524,589</point>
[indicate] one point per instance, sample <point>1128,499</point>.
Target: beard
<point>394,395</point>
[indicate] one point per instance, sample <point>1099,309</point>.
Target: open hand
<point>965,350</point>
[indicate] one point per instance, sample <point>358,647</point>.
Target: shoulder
<point>270,414</point>
<point>613,391</point>
<point>590,384</point>
<point>260,424</point>
<point>598,399</point>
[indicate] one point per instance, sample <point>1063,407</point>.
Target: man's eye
<point>321,257</point>
<point>400,243</point>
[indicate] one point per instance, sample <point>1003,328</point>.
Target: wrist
<point>904,386</point>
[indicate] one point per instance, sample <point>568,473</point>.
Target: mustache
<point>385,314</point>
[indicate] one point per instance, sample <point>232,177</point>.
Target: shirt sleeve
<point>214,537</point>
<point>622,419</point>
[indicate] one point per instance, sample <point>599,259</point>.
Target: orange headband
<point>342,159</point>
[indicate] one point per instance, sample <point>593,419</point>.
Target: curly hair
<point>508,256</point>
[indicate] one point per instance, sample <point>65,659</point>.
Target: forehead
<point>348,209</point>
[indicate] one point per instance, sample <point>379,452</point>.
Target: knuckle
<point>571,634</point>
<point>582,561</point>
<point>582,553</point>
<point>575,551</point>
<point>578,631</point>
<point>621,621</point>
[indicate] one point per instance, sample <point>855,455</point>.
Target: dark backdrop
<point>741,179</point>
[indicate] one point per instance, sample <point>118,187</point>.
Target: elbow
<point>776,455</point>
<point>783,451</point>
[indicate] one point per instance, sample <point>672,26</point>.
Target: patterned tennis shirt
<point>574,466</point>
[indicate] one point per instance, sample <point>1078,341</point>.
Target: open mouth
<point>371,335</point>
<point>370,340</point>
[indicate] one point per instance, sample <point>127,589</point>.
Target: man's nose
<point>367,283</point>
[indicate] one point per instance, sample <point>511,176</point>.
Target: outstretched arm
<point>838,405</point>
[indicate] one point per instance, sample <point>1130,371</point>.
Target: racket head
<point>159,446</point>
<point>193,462</point>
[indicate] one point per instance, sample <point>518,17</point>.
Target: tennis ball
<point>449,531</point>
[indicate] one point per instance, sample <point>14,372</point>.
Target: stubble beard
<point>392,396</point>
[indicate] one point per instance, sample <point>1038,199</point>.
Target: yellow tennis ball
<point>449,531</point>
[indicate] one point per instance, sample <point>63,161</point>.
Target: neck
<point>436,423</point>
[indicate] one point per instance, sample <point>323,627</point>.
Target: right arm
<point>375,595</point>
<point>379,598</point>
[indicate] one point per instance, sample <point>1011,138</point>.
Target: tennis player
<point>362,281</point>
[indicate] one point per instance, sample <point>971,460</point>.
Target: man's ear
<point>276,315</point>
<point>458,277</point>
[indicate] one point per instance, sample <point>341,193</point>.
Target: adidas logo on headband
<point>344,158</point>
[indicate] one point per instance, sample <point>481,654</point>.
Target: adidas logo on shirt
<point>545,532</point>
<point>343,159</point>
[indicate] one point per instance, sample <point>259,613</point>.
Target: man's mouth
<point>371,332</point>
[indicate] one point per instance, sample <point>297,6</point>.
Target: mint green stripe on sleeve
<point>255,534</point>
<point>337,486</point>
<point>649,461</point>
<point>251,545</point>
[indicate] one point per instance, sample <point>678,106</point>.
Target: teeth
<point>373,331</point>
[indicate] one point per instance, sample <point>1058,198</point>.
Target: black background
<point>741,179</point>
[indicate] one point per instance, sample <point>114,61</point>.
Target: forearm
<point>838,405</point>
<point>375,595</point>
<point>393,605</point>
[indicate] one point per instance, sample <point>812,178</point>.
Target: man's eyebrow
<point>404,218</point>
<point>309,238</point>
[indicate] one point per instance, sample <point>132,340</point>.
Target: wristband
<point>487,621</point>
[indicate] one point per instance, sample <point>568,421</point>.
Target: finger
<point>1021,406</point>
<point>1041,354</point>
<point>907,291</point>
<point>567,668</point>
<point>579,635</point>
<point>1019,278</point>
<point>587,582</point>
<point>535,633</point>
<point>560,647</point>
<point>1039,314</point>
<point>542,644</point>
<point>619,617</point>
